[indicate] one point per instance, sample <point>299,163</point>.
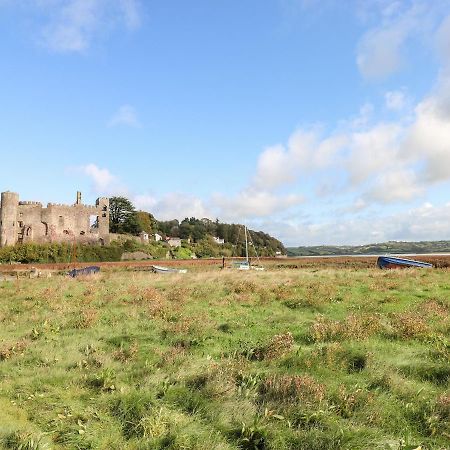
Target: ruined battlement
<point>62,205</point>
<point>28,221</point>
<point>30,204</point>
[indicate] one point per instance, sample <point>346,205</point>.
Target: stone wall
<point>23,222</point>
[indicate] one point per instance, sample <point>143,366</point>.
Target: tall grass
<point>316,358</point>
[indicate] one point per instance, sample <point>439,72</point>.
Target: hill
<point>400,247</point>
<point>195,233</point>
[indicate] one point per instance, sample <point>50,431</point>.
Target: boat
<point>246,264</point>
<point>162,269</point>
<point>393,262</point>
<point>90,270</point>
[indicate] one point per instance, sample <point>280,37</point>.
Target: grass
<point>316,358</point>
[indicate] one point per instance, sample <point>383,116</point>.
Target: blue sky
<point>321,122</point>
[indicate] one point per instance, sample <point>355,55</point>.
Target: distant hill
<point>397,247</point>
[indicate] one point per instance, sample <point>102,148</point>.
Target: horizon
<point>312,121</point>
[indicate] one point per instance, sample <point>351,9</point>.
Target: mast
<point>246,243</point>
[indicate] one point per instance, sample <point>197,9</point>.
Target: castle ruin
<point>22,222</point>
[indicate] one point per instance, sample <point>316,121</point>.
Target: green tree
<point>145,221</point>
<point>122,216</point>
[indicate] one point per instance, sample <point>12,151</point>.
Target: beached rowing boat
<point>392,262</point>
<point>162,269</point>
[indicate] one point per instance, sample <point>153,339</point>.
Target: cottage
<point>174,241</point>
<point>144,237</point>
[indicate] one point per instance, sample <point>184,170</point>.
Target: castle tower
<point>8,219</point>
<point>102,204</point>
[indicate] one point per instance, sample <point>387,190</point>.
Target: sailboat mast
<point>246,243</point>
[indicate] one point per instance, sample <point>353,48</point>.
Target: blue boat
<point>392,262</point>
<point>84,271</point>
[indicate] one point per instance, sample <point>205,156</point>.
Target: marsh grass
<point>316,358</point>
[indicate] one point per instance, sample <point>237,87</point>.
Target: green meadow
<point>314,358</point>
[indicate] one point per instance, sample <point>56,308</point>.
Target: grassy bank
<point>286,359</point>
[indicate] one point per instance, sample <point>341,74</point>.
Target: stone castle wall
<point>22,222</point>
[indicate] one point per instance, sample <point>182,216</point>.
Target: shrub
<point>408,325</point>
<point>131,409</point>
<point>8,351</point>
<point>346,401</point>
<point>278,346</point>
<point>24,441</point>
<point>291,389</point>
<point>250,437</point>
<point>103,380</point>
<point>356,327</point>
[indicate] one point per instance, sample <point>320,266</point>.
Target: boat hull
<point>391,262</point>
<point>91,270</point>
<point>161,269</point>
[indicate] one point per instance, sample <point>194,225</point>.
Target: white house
<point>218,240</point>
<point>144,236</point>
<point>174,241</point>
<point>158,237</point>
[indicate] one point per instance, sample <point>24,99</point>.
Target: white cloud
<point>251,203</point>
<point>363,118</point>
<point>126,115</point>
<point>428,139</point>
<point>66,26</point>
<point>173,205</point>
<point>395,100</point>
<point>132,13</point>
<point>383,48</point>
<point>144,202</point>
<point>379,51</point>
<point>280,165</point>
<point>426,222</point>
<point>274,168</point>
<point>372,150</point>
<point>397,185</point>
<point>103,181</point>
<point>72,25</point>
<point>384,162</point>
<point>443,40</point>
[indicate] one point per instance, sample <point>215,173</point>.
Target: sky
<point>317,121</point>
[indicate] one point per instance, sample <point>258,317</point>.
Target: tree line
<point>125,219</point>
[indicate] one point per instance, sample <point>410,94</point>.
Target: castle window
<point>82,233</point>
<point>93,222</point>
<point>66,231</point>
<point>61,221</point>
<point>20,224</point>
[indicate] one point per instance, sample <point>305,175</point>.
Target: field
<point>318,357</point>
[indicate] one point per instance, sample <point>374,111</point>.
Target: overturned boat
<point>392,262</point>
<point>162,269</point>
<point>91,270</point>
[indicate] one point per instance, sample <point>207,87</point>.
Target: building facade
<point>24,221</point>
